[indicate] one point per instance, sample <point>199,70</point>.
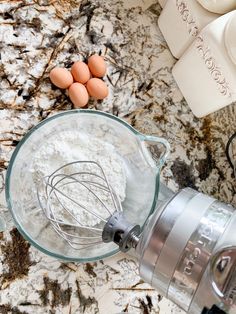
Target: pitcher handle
<point>157,140</point>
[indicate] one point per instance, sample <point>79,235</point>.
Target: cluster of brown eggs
<point>82,81</point>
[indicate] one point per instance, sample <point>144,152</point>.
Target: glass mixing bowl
<point>143,158</point>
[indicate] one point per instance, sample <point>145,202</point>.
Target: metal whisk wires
<point>78,189</point>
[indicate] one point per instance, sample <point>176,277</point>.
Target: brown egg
<point>80,72</point>
<point>61,77</point>
<point>78,95</point>
<point>97,88</point>
<point>97,65</point>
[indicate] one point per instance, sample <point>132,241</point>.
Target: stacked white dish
<point>206,73</point>
<point>181,21</point>
<point>205,42</point>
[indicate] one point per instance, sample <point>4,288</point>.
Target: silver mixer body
<point>187,251</point>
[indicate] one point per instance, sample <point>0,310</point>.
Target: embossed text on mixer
<point>197,253</point>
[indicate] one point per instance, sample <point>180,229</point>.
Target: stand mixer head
<point>186,249</point>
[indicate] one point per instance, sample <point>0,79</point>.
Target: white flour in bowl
<point>71,146</point>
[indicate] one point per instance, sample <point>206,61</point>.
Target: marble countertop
<point>35,36</point>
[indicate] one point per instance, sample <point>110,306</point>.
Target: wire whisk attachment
<point>78,200</point>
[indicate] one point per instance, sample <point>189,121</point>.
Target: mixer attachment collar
<point>120,231</point>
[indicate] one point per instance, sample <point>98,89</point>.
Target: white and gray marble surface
<point>36,35</point>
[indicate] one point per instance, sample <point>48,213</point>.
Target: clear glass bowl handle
<point>153,143</point>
